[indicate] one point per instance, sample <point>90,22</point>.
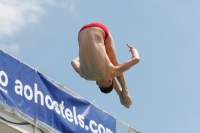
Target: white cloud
<point>16,14</point>
<point>13,48</point>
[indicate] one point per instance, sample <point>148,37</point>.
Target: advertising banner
<point>35,95</point>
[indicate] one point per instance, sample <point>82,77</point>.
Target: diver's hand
<point>133,51</point>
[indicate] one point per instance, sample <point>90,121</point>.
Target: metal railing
<point>121,127</point>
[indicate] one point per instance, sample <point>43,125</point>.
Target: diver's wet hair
<point>106,89</point>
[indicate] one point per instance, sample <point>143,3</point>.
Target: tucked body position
<point>97,61</point>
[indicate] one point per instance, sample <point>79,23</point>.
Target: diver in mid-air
<point>97,61</point>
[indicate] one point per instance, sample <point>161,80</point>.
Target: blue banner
<point>35,95</point>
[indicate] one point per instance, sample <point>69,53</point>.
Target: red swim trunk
<point>99,25</point>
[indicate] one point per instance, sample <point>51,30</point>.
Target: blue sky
<point>165,85</point>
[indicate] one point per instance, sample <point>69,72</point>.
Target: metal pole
<point>35,126</point>
<point>129,130</point>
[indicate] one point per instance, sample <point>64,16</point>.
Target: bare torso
<point>94,62</point>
